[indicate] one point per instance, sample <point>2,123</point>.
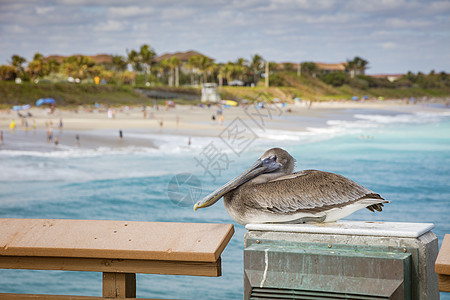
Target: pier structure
<point>118,249</point>
<point>341,260</point>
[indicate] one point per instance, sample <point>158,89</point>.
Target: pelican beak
<point>261,166</point>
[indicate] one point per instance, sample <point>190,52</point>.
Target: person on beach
<point>120,134</point>
<point>60,125</point>
<point>56,142</point>
<point>12,125</point>
<point>49,135</point>
<point>1,137</point>
<point>161,124</point>
<point>77,140</point>
<point>213,120</point>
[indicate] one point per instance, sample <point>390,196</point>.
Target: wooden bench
<point>119,249</point>
<point>442,265</point>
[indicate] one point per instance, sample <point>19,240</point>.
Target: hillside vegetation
<point>142,76</point>
<point>305,87</point>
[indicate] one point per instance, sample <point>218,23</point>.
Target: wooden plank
<point>119,285</point>
<point>442,265</point>
<point>114,239</point>
<point>47,297</point>
<point>444,283</point>
<point>55,297</point>
<point>210,269</point>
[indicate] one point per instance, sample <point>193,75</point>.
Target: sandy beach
<point>100,128</point>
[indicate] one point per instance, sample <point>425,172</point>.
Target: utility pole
<point>299,69</point>
<point>267,73</point>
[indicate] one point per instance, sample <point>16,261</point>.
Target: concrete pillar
<point>354,256</point>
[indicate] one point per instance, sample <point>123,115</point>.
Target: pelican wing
<point>308,190</point>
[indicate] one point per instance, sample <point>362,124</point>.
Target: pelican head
<point>274,163</point>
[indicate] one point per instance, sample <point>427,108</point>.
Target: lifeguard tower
<point>209,93</point>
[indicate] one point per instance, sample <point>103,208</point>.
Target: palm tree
<point>357,66</point>
<point>146,57</point>
<point>119,63</point>
<point>205,64</point>
<point>194,65</point>
<point>78,66</point>
<point>310,68</point>
<point>17,61</point>
<point>163,66</point>
<point>133,60</point>
<point>37,67</point>
<point>174,64</point>
<point>230,69</point>
<point>256,64</point>
<point>53,66</point>
<point>159,69</point>
<point>240,66</point>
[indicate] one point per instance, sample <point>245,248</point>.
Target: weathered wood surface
<point>119,285</point>
<point>56,297</point>
<point>442,265</point>
<point>211,269</point>
<point>114,239</point>
<point>119,249</point>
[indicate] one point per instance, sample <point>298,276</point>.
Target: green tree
<point>174,63</point>
<point>231,69</point>
<point>119,63</point>
<point>193,65</point>
<point>134,60</point>
<point>357,66</point>
<point>289,67</point>
<point>310,68</point>
<point>53,66</point>
<point>159,68</point>
<point>7,72</point>
<point>256,65</point>
<point>165,65</point>
<point>78,66</point>
<point>17,62</point>
<point>146,58</point>
<point>201,63</point>
<point>38,67</point>
<point>240,67</point>
<point>335,78</point>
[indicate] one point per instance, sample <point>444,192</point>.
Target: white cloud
<point>282,30</point>
<point>42,10</point>
<point>110,25</point>
<point>389,45</point>
<point>129,11</point>
<point>16,29</point>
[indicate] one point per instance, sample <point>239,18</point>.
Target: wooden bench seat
<point>119,249</point>
<point>442,265</point>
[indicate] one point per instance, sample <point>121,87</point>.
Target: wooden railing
<point>442,266</point>
<point>119,249</point>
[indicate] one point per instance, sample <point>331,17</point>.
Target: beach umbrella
<point>354,98</point>
<point>21,107</point>
<point>45,101</point>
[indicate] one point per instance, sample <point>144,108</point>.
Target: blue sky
<point>395,36</point>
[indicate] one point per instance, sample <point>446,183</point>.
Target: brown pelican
<point>269,192</point>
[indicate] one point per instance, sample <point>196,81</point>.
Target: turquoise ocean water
<point>404,157</point>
